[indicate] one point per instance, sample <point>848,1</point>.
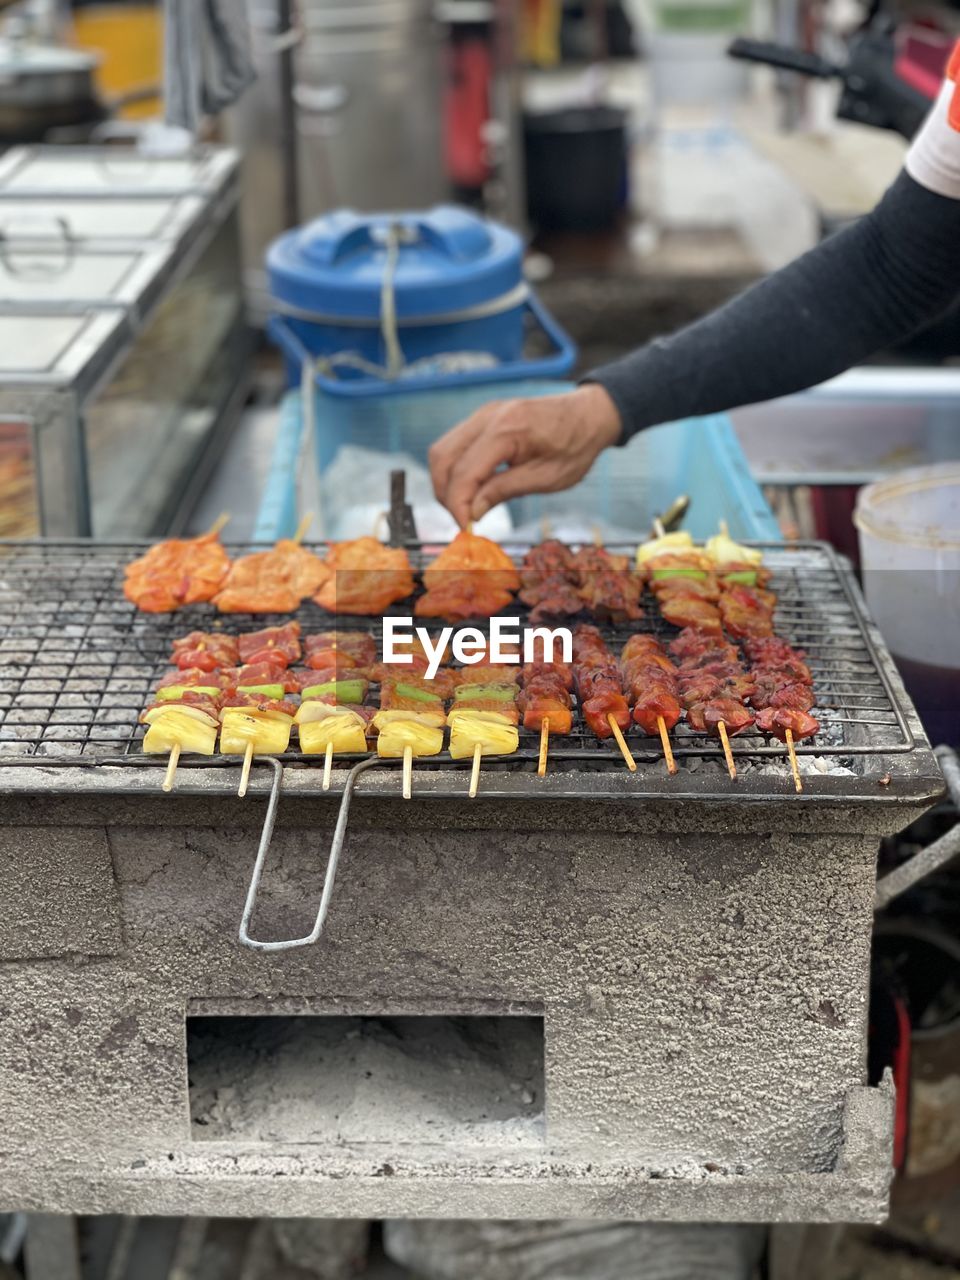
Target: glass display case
<point>124,346</point>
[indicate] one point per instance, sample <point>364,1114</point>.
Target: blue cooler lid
<point>448,260</point>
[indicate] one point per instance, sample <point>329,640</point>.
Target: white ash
<point>355,1080</point>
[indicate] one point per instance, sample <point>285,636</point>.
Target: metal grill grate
<point>78,663</point>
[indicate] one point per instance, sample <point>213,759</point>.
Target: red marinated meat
<point>280,646</point>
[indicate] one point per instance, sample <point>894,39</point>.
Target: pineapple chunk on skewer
<point>187,729</point>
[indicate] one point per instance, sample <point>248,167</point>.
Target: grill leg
<point>50,1248</point>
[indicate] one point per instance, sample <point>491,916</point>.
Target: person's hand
<point>546,443</point>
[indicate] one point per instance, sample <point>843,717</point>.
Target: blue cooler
<point>380,304</point>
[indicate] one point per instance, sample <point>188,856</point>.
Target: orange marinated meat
<point>177,572</point>
<point>365,577</point>
<point>274,581</point>
<point>472,555</point>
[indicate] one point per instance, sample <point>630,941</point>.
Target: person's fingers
<point>475,466</point>
<point>443,453</point>
<point>535,476</point>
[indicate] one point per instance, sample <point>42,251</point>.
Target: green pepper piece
<point>498,692</point>
<point>174,692</point>
<point>418,695</point>
<point>342,691</point>
<point>742,577</point>
<point>267,690</point>
<point>662,574</point>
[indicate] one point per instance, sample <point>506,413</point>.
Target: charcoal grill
<point>655,987</point>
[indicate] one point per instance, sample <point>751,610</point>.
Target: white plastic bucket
<point>910,554</point>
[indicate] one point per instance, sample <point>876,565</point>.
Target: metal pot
<point>43,87</point>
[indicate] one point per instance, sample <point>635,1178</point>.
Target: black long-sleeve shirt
<point>871,285</point>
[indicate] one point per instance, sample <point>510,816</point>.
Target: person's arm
<point>869,286</point>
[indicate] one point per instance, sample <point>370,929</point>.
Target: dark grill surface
<point>78,663</point>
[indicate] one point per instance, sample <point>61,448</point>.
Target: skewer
<point>408,773</point>
<point>727,753</point>
<point>245,770</point>
<point>794,766</point>
<point>302,528</point>
<point>173,761</point>
<point>667,749</point>
<point>222,520</point>
<point>622,743</point>
<point>475,771</point>
<point>327,766</point>
<point>658,528</point>
<point>544,745</point>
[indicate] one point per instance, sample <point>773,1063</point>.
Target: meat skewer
<point>251,724</point>
<point>331,718</point>
<point>599,689</point>
<point>784,695</point>
<point>472,577</point>
<point>274,581</point>
<point>186,723</point>
<point>713,685</point>
<point>364,577</point>
<point>483,721</point>
<point>409,723</point>
<point>650,680</point>
<point>178,572</point>
<point>544,702</point>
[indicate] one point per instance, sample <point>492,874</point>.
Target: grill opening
<point>410,1080</point>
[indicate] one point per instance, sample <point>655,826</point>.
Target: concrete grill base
<point>700,972</point>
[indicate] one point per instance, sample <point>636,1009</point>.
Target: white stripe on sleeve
<point>934,156</point>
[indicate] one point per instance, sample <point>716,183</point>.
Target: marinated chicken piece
<point>745,613</point>
<point>459,596</point>
<point>177,572</point>
<point>205,651</point>
<point>547,558</point>
<point>277,646</point>
<point>601,705</point>
<point>706,717</point>
<point>770,691</point>
<point>561,672</point>
<point>339,648</point>
<point>687,611</point>
<point>777,720</point>
<point>472,555</point>
<point>545,697</point>
<point>651,705</point>
<point>692,644</point>
<point>273,581</point>
<point>365,577</point>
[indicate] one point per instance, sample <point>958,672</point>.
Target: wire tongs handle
<point>333,857</point>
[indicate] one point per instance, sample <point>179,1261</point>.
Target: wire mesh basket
<point>626,488</point>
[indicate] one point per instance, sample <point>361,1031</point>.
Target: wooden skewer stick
<point>302,527</point>
<point>475,771</point>
<point>408,773</point>
<point>727,753</point>
<point>658,528</point>
<point>544,746</point>
<point>622,743</point>
<point>245,771</point>
<point>221,522</point>
<point>327,766</point>
<point>667,749</point>
<point>172,762</point>
<point>794,766</point>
